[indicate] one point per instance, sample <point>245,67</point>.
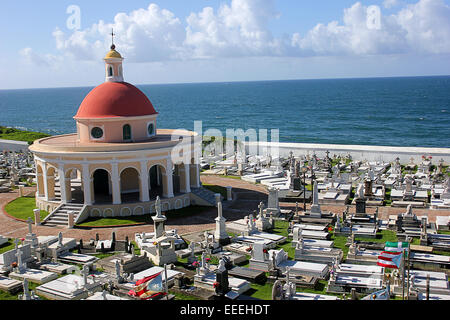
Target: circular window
<point>151,129</point>
<point>97,133</point>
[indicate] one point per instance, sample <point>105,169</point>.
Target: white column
<point>168,182</point>
<point>86,184</point>
<point>115,180</point>
<point>37,217</point>
<point>145,195</point>
<point>70,220</point>
<point>185,170</point>
<point>44,175</point>
<point>62,183</point>
<point>197,175</point>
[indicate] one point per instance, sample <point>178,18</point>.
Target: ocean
<point>410,111</point>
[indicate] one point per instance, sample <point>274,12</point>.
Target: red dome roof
<point>115,99</point>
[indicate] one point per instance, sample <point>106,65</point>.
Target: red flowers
<point>249,249</point>
<point>265,251</point>
<point>195,263</point>
<point>215,284</point>
<point>330,229</point>
<point>208,259</point>
<point>22,239</point>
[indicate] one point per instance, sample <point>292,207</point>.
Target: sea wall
<point>12,145</point>
<point>358,152</point>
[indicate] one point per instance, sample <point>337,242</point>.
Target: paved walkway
<point>247,197</point>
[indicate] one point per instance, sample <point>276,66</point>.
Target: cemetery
<point>274,252</point>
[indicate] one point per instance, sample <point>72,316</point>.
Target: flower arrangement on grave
<point>249,249</point>
<point>208,259</point>
<point>215,284</point>
<point>265,251</point>
<point>14,264</point>
<point>155,243</point>
<point>195,264</point>
<point>330,229</point>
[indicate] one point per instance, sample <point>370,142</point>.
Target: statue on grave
<point>60,239</point>
<point>222,285</point>
<point>360,191</point>
<point>277,291</point>
<point>274,261</point>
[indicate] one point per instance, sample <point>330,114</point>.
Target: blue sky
<point>182,41</point>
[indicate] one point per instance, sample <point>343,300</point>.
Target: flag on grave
<point>389,259</point>
<point>148,287</point>
<point>395,246</point>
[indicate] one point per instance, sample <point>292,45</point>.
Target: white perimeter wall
<point>358,152</point>
<point>12,145</point>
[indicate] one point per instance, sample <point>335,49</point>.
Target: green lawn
<point>32,286</point>
<point>230,177</point>
<point>144,219</point>
<point>22,208</point>
<point>7,246</point>
<point>116,221</point>
<point>20,135</point>
<point>216,189</point>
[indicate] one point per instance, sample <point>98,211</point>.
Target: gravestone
<point>360,201</point>
<point>222,285</point>
<point>31,238</point>
<point>315,207</point>
<point>273,206</point>
<point>220,233</point>
<point>262,223</point>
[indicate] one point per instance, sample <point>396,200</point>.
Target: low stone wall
<point>13,145</point>
<point>125,209</point>
<point>358,152</point>
<point>48,206</point>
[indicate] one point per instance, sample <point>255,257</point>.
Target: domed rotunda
<point>118,162</point>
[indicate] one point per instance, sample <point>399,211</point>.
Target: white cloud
<point>151,34</point>
<point>423,27</point>
<point>390,3</point>
<point>240,28</point>
<point>33,58</point>
<point>428,26</point>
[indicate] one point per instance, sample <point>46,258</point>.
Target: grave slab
<point>10,285</point>
<point>34,275</point>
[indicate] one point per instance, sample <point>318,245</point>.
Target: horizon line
<point>238,81</point>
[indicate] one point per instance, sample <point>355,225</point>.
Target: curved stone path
<point>246,199</point>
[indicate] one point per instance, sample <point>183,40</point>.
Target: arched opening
<point>126,132</point>
<point>110,71</point>
<point>102,186</point>
<point>129,185</point>
<point>40,181</point>
<point>74,188</point>
<point>156,181</point>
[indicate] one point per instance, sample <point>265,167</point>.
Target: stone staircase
<point>60,216</point>
<point>204,194</point>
